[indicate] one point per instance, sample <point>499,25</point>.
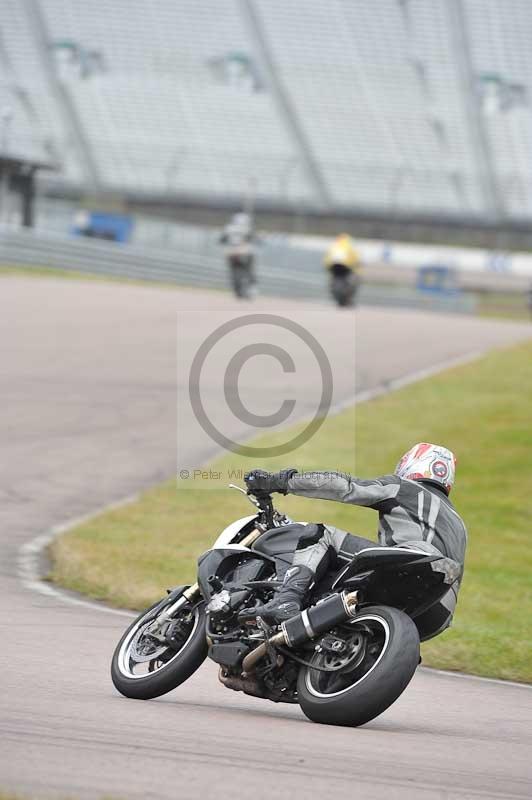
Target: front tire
<point>170,668</point>
<point>383,671</point>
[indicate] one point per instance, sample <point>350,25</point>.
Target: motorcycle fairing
<point>372,558</point>
<point>228,534</point>
<point>280,542</point>
<point>222,561</point>
<point>403,578</point>
<point>435,617</point>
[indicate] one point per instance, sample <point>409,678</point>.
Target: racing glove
<point>261,483</point>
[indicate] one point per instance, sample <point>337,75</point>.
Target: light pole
<point>6,117</point>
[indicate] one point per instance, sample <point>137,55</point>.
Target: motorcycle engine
<point>220,604</point>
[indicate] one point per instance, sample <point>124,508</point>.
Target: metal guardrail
<point>30,249</point>
<point>37,249</point>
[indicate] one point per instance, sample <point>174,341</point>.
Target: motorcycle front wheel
<point>143,667</point>
<point>355,685</point>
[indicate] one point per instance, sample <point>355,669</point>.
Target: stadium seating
<point>36,125</point>
<point>500,44</point>
<point>383,95</point>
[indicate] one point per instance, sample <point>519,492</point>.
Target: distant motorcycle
<point>344,659</point>
<point>239,239</point>
<point>344,284</point>
<point>242,274</point>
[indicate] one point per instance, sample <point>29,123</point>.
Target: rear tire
<point>165,678</point>
<point>242,287</point>
<point>375,690</point>
<point>343,291</point>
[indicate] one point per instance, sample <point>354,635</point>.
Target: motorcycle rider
<point>343,263</point>
<point>414,511</point>
<point>342,251</point>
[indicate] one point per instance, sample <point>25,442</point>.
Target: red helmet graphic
<point>429,462</point>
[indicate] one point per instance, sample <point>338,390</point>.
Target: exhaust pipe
<point>250,661</point>
<point>306,626</point>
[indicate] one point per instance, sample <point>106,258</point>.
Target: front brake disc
<point>145,647</point>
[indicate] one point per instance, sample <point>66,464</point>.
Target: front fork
<point>188,596</point>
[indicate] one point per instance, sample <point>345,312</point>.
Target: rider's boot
<point>288,600</point>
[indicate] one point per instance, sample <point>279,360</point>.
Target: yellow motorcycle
<point>343,263</point>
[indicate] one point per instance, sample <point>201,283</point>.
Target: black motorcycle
<point>243,281</point>
<point>344,659</point>
<point>344,284</point>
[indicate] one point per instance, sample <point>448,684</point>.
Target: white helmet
<point>428,462</point>
<point>242,220</point>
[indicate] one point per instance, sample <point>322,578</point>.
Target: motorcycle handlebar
<point>263,502</point>
<point>265,505</point>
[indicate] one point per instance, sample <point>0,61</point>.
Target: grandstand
<point>397,108</point>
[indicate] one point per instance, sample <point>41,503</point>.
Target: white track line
<point>30,557</point>
<point>498,681</point>
<point>30,553</point>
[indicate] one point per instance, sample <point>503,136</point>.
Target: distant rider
<point>414,511</point>
<point>343,252</point>
<point>343,263</point>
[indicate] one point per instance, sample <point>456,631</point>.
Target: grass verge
<point>98,277</point>
<point>18,270</point>
<point>482,411</point>
<point>504,305</point>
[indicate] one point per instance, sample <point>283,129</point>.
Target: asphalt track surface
<point>89,393</point>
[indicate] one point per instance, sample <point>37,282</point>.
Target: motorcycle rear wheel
<point>242,284</point>
<point>343,290</point>
<point>360,690</point>
<point>169,667</point>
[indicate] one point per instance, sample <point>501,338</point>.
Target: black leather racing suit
<point>411,513</point>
